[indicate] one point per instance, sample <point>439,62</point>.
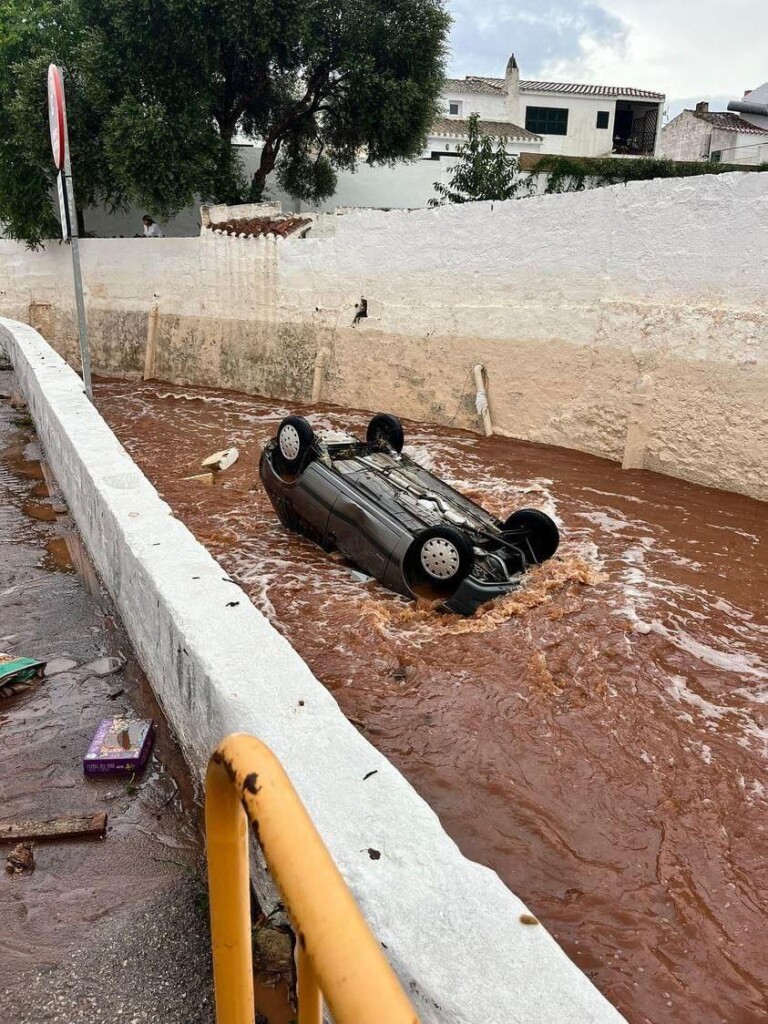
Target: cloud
<point>675,106</point>
<point>486,32</point>
<point>684,48</point>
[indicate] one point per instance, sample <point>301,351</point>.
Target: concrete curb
<point>452,930</point>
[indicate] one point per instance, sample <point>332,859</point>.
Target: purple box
<point>121,745</point>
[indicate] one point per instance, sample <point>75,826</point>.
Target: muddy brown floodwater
<point>599,738</point>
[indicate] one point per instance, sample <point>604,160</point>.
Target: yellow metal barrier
<point>337,954</point>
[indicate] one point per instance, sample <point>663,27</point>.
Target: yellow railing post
<point>338,957</point>
<point>308,990</point>
<point>226,828</point>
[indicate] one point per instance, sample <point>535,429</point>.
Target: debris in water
<point>273,945</point>
<point>88,826</point>
<point>222,460</point>
<point>21,859</point>
<point>200,478</point>
<point>17,674</point>
<point>104,666</point>
<point>57,665</point>
<point>120,745</point>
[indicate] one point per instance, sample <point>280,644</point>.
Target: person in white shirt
<point>151,229</point>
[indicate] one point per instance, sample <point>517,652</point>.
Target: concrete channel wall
<point>452,930</point>
<point>629,322</point>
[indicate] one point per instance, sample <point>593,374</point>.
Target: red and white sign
<point>57,115</point>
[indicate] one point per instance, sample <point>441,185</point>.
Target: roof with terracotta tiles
<point>255,227</point>
<point>471,84</point>
<point>725,121</point>
<point>459,127</point>
<point>497,86</point>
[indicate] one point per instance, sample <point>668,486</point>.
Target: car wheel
<point>385,429</point>
<point>440,557</point>
<point>538,529</point>
<point>294,439</point>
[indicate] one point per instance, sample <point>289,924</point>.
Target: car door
<point>365,534</point>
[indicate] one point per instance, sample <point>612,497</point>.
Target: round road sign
<point>57,117</point>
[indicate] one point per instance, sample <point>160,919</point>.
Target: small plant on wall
<point>486,171</point>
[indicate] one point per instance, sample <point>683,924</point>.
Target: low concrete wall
<point>628,322</point>
<point>451,928</point>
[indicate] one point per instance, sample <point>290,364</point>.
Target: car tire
<point>540,530</point>
<point>294,439</point>
<point>440,557</point>
<point>385,429</point>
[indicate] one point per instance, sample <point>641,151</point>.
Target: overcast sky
<point>687,49</point>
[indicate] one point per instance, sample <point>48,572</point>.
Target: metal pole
<point>74,241</point>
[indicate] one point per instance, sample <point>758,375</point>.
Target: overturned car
<point>395,520</point>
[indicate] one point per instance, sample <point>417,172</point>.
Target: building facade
<point>571,119</point>
<point>736,136</point>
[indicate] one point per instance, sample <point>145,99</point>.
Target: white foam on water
<point>739,662</point>
<point>613,524</point>
<point>742,533</point>
<point>756,790</point>
<point>753,736</point>
<point>679,690</point>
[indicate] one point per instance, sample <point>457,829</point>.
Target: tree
<point>25,205</point>
<point>158,89</point>
<point>485,172</point>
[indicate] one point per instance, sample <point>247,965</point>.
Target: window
<point>716,156</point>
<point>454,108</point>
<point>602,119</point>
<point>546,120</point>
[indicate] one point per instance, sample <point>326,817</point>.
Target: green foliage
<point>485,171</point>
<point>300,173</point>
<point>157,89</point>
<point>572,174</point>
<point>25,175</point>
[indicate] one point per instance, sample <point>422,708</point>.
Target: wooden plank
<point>90,826</point>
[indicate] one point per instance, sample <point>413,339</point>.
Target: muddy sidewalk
<point>104,929</point>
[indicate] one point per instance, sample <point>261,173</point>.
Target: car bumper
<point>471,593</point>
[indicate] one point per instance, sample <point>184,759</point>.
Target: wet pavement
<point>88,906</point>
<point>598,738</point>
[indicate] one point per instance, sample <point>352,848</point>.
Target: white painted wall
<point>450,927</point>
<point>686,137</point>
<point>487,105</point>
<point>758,95</point>
<point>405,187</point>
<point>583,138</point>
<point>740,147</point>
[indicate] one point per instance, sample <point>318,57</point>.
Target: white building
<point>530,116</point>
<point>736,136</point>
<point>573,120</point>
